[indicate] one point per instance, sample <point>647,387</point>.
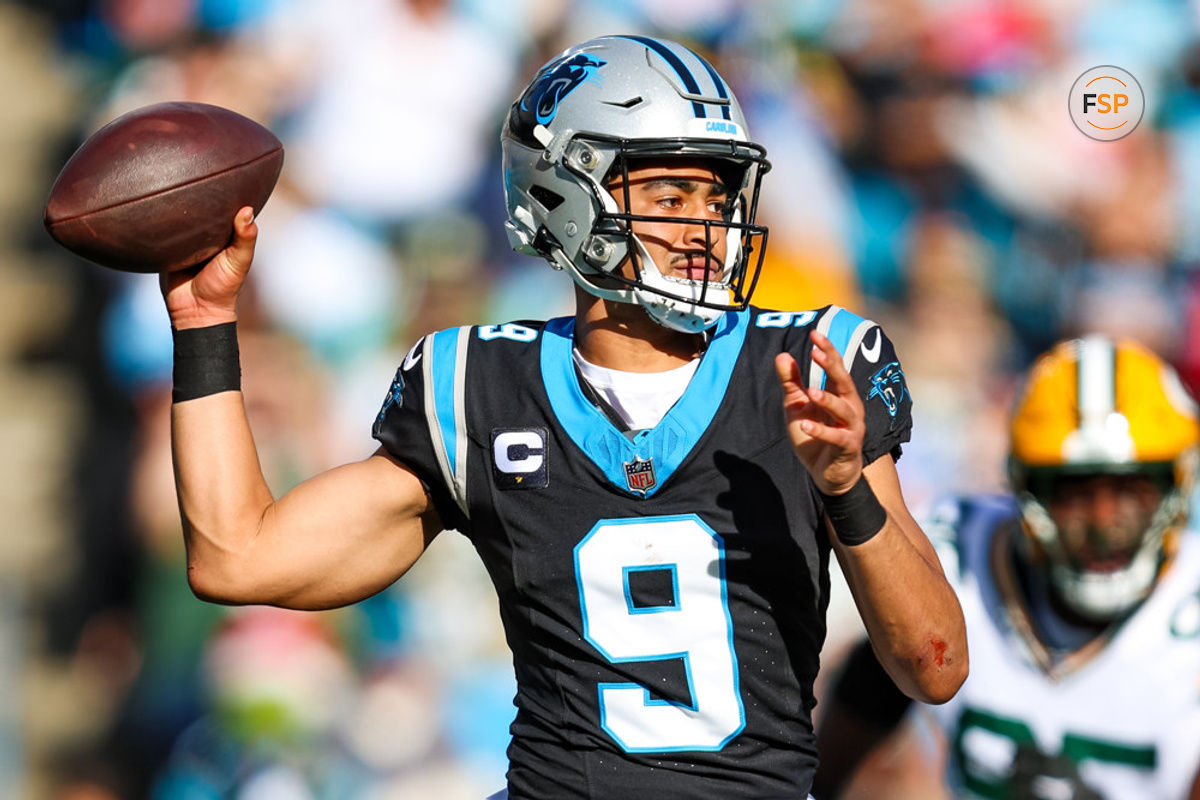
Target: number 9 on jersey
<point>682,562</point>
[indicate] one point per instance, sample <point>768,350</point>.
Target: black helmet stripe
<point>685,74</point>
<point>720,84</point>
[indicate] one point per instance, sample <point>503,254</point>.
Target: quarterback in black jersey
<point>654,484</point>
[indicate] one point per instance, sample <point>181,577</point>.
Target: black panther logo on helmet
<point>539,103</point>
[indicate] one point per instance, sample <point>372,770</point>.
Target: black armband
<point>206,361</point>
<point>856,515</point>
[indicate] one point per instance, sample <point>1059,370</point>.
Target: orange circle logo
<point>1107,103</point>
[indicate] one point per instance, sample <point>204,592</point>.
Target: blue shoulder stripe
<point>445,371</point>
<point>845,330</point>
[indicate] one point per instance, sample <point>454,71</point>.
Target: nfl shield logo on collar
<point>639,475</point>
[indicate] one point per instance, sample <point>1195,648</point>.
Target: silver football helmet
<point>576,127</point>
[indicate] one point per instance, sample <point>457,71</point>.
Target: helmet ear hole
<point>549,200</point>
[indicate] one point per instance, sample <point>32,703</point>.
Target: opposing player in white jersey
<point>1081,595</point>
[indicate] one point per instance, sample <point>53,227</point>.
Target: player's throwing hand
<point>207,295</point>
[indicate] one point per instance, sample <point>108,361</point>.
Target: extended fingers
<point>837,435</point>
<point>788,372</point>
<point>842,410</point>
<point>829,359</point>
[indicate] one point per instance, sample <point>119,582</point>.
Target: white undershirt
<point>640,399</point>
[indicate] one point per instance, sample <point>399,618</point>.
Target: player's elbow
<point>214,582</point>
<point>225,562</point>
<point>939,670</point>
<point>208,587</point>
<point>943,686</point>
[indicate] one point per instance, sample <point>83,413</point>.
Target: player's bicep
<point>341,536</point>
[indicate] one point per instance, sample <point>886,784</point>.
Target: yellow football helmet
<point>1103,453</point>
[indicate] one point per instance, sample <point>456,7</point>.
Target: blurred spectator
<point>372,145</point>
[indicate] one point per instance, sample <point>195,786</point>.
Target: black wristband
<point>206,361</point>
<point>856,515</point>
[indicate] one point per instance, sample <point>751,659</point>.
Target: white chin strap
<point>681,312</point>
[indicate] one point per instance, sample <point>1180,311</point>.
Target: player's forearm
<point>911,613</point>
<point>223,495</point>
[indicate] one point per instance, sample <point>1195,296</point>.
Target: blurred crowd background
<point>926,174</point>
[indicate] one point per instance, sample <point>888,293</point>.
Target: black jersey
<point>663,594</point>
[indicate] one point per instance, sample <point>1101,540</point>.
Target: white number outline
<point>784,319</point>
<point>605,689</point>
<point>509,330</point>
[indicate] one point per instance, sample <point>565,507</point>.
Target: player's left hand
<point>826,426</point>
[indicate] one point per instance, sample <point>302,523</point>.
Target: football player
<point>1082,599</point>
<point>654,484</point>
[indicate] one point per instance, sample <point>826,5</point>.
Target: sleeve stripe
<point>460,416</point>
<point>445,369</point>
<point>846,330</point>
<point>854,346</point>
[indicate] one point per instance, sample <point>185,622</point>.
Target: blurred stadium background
<point>926,174</point>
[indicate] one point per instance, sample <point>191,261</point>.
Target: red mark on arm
<point>939,652</point>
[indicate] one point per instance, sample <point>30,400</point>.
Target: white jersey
<point>1122,719</point>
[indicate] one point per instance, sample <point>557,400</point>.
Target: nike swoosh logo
<point>872,353</point>
<point>413,356</point>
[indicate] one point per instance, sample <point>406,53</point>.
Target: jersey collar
<point>669,442</point>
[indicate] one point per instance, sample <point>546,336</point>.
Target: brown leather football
<point>157,188</point>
